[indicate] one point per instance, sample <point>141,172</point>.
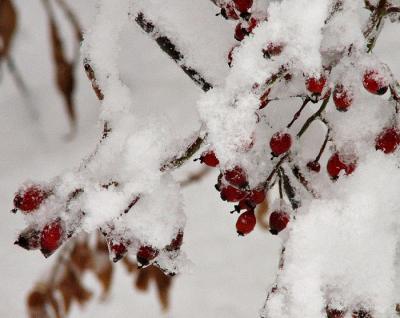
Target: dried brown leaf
<point>54,305</point>
<point>8,23</point>
<point>143,279</point>
<point>37,304</point>
<point>65,77</point>
<point>162,281</point>
<point>71,289</point>
<point>105,277</point>
<point>81,256</point>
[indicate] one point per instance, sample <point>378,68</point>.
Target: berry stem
<point>313,117</point>
<point>290,190</point>
<point>321,151</point>
<point>298,113</point>
<point>280,183</point>
<point>303,181</point>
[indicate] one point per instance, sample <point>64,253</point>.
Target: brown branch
<point>187,154</point>
<point>303,181</point>
<point>298,113</point>
<point>316,115</point>
<point>170,48</point>
<point>290,190</point>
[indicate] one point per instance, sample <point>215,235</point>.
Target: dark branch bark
<point>172,51</point>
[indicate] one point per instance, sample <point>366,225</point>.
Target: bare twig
<point>171,49</point>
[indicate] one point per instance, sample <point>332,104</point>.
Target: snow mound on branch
<point>343,250</point>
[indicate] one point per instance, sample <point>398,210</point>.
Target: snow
<point>341,249</point>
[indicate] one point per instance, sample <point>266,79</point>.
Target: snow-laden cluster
<point>305,110</point>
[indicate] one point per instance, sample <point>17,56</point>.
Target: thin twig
<point>298,113</point>
<point>172,50</point>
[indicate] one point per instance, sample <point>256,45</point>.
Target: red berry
<point>342,98</point>
<point>209,158</point>
<point>280,143</point>
<point>229,12</point>
<point>146,254</point>
<point>231,194</point>
<point>374,82</point>
<point>246,223</point>
<point>240,32</point>
<point>119,250</point>
<point>272,49</point>
<point>30,199</point>
<point>236,176</point>
<point>334,313</point>
<point>314,166</point>
<point>278,221</point>
<point>176,243</point>
<point>361,314</point>
<point>316,84</point>
<point>336,165</point>
<point>51,238</point>
<point>388,140</point>
<point>257,195</point>
<point>252,24</point>
<point>243,5</point>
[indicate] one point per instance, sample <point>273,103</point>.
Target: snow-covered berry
<point>28,200</point>
<point>280,143</point>
<point>374,82</point>
<point>388,140</point>
<point>278,221</point>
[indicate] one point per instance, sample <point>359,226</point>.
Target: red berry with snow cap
<point>119,250</point>
<point>336,164</point>
<point>272,49</point>
<point>236,177</point>
<point>209,158</point>
<point>243,5</point>
<point>30,199</point>
<point>388,140</point>
<point>231,194</point>
<point>246,223</point>
<point>342,98</point>
<point>229,13</point>
<point>314,166</point>
<point>316,84</point>
<point>374,82</point>
<point>334,313</point>
<point>280,143</point>
<point>278,221</point>
<point>146,254</point>
<point>51,238</point>
<point>176,243</point>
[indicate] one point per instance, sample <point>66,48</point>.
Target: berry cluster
<point>233,187</point>
<point>36,199</point>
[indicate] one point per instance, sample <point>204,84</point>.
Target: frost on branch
<point>300,110</point>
